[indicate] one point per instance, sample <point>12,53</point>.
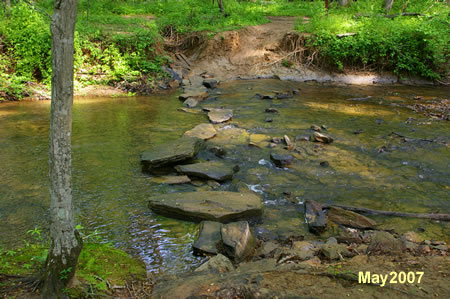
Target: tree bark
<point>8,7</point>
<point>66,243</point>
<point>388,5</point>
<point>220,6</point>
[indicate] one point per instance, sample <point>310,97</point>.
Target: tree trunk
<point>221,6</point>
<point>388,5</point>
<point>8,7</point>
<point>66,243</point>
<point>343,2</point>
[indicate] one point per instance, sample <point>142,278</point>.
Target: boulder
<point>190,103</point>
<point>349,218</point>
<point>217,116</point>
<point>271,110</point>
<point>209,238</point>
<point>182,149</point>
<point>218,263</point>
<point>202,131</point>
<point>318,137</point>
<point>209,170</point>
<point>315,216</point>
<point>384,243</point>
<point>335,251</point>
<point>238,241</point>
<point>210,83</point>
<point>315,128</point>
<point>281,160</point>
<point>218,206</point>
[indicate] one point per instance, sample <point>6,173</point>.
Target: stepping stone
<point>199,93</point>
<point>315,217</point>
<point>210,83</point>
<point>218,206</point>
<point>212,170</point>
<point>217,116</point>
<point>318,137</point>
<point>218,263</point>
<point>209,238</point>
<point>182,149</point>
<point>238,241</point>
<point>190,103</point>
<point>281,160</point>
<point>202,131</point>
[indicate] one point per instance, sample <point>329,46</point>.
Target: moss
<point>98,266</point>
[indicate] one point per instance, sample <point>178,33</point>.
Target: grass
<point>97,265</point>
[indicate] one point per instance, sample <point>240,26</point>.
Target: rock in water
<point>218,206</point>
<point>209,238</point>
<point>318,137</point>
<point>210,83</point>
<point>202,131</point>
<point>281,160</point>
<point>172,152</point>
<point>384,243</point>
<point>172,180</point>
<point>349,218</point>
<point>190,103</point>
<point>218,263</point>
<point>199,93</point>
<point>217,116</point>
<point>238,241</point>
<point>315,217</point>
<point>335,251</point>
<point>209,170</point>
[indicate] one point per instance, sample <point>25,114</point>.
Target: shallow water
<point>110,191</point>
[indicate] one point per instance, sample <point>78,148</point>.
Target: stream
<point>367,165</point>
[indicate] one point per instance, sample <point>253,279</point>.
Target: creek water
<point>110,191</point>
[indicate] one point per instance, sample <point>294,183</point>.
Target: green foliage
<point>412,45</point>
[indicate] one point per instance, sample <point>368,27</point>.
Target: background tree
<point>343,2</point>
<point>388,5</point>
<point>66,243</point>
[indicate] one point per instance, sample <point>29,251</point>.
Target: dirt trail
<point>243,53</point>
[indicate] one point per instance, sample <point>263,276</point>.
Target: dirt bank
<point>270,50</point>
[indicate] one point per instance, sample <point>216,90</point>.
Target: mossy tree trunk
<point>65,241</point>
<point>220,3</point>
<point>8,7</point>
<point>344,2</point>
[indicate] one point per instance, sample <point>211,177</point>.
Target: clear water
<point>110,191</point>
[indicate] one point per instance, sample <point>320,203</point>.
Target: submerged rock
<point>318,137</point>
<point>218,263</point>
<point>349,218</point>
<point>219,151</point>
<point>218,206</point>
<point>238,241</point>
<point>172,180</point>
<point>172,152</point>
<point>209,170</point>
<point>281,160</point>
<point>209,238</point>
<point>315,216</point>
<point>202,131</point>
<point>217,116</point>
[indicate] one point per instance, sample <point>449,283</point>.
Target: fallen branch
<point>441,217</point>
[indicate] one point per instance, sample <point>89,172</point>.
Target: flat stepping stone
<point>220,206</point>
<point>199,93</point>
<point>202,131</point>
<point>217,116</point>
<point>349,218</point>
<point>212,170</point>
<point>190,103</point>
<point>172,152</point>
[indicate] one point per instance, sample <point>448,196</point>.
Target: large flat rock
<point>202,131</point>
<point>218,206</point>
<point>208,170</point>
<point>172,152</point>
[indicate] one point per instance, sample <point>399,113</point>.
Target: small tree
<point>388,5</point>
<point>66,243</point>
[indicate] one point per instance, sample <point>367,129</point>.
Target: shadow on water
<point>110,191</point>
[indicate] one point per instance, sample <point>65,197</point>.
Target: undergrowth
<point>415,45</point>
